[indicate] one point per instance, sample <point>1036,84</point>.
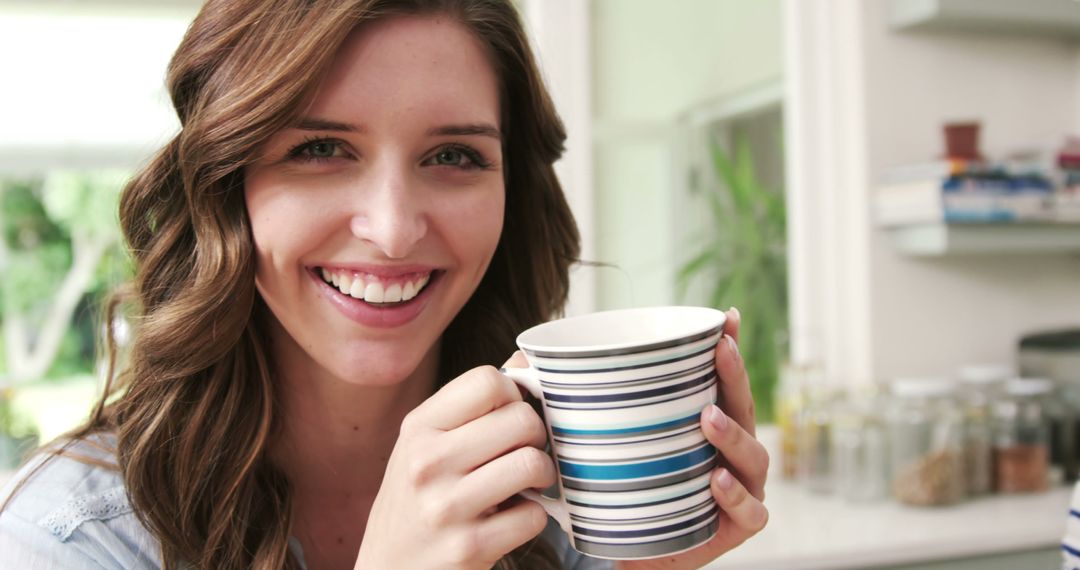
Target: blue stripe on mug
<point>666,435</point>
<point>693,418</point>
<point>637,470</point>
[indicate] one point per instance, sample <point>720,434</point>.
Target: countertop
<point>806,530</point>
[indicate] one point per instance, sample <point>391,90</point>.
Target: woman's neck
<point>336,433</point>
<point>334,444</point>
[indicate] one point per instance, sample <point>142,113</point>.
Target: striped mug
<point>622,394</point>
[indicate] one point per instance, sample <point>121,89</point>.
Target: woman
<point>358,214</point>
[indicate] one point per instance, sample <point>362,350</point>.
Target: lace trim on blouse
<point>103,506</point>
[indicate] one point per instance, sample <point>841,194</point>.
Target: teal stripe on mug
<point>637,470</point>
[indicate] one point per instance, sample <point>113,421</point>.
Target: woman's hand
<point>738,483</point>
<point>460,455</point>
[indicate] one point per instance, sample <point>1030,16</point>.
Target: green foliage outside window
<point>60,255</point>
<point>743,259</point>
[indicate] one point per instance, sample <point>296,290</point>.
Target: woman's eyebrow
<point>481,129</point>
<point>317,124</point>
<point>472,129</point>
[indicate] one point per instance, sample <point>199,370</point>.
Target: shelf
<point>935,239</point>
<point>1043,18</point>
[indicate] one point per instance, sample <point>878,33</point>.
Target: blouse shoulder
<point>72,510</point>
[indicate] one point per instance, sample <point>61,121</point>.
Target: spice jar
<point>926,440</point>
<point>860,448</point>
<point>979,388</point>
<point>1022,436</point>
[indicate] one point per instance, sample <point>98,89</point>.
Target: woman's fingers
<point>503,477</point>
<point>508,529</point>
<point>743,514</point>
<point>735,392</point>
<point>512,426</point>
<point>467,397</point>
<point>733,323</point>
<point>742,452</point>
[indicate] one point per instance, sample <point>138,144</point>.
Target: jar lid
<point>984,374</point>
<point>923,387</point>
<point>1029,386</point>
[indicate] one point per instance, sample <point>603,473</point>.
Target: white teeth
<point>345,284</point>
<point>374,292</point>
<point>357,289</point>
<point>393,294</point>
<point>408,292</point>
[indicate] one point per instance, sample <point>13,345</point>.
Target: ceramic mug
<point>622,394</point>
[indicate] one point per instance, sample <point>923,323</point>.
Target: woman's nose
<point>392,216</point>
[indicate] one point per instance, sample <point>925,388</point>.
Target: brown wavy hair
<point>194,407</point>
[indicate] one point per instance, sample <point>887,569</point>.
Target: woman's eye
<point>317,150</point>
<point>449,157</point>
<point>458,157</point>
<point>322,149</point>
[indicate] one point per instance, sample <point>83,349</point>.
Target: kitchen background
<point>721,152</point>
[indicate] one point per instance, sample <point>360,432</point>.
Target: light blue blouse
<point>75,515</point>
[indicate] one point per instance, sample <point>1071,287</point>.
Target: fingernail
<point>724,480</point>
<point>732,345</point>
<point>718,418</point>
<point>738,315</point>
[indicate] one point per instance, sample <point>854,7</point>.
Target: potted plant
<point>742,258</point>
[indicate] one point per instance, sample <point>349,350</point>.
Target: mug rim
<point>613,349</point>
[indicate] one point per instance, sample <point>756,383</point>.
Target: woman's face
<point>375,218</point>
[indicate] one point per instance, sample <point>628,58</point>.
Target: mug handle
<point>556,508</point>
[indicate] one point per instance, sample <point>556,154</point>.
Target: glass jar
<point>1022,436</point>
<point>815,441</point>
<point>926,441</point>
<point>860,448</point>
<point>1065,431</point>
<point>979,389</point>
<point>790,400</point>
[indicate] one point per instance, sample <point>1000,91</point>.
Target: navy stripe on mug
<point>637,470</point>
<point>640,505</point>
<point>630,367</point>
<point>691,419</point>
<point>709,500</point>
<point>637,405</point>
<point>653,531</point>
<point>628,396</point>
<point>647,549</point>
<point>634,382</point>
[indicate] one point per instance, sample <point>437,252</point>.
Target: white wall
<point>652,64</point>
<point>932,315</point>
<point>862,98</point>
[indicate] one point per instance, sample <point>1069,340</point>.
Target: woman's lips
<point>378,314</point>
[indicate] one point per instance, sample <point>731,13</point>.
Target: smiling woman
<point>358,216</point>
<point>320,249</point>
